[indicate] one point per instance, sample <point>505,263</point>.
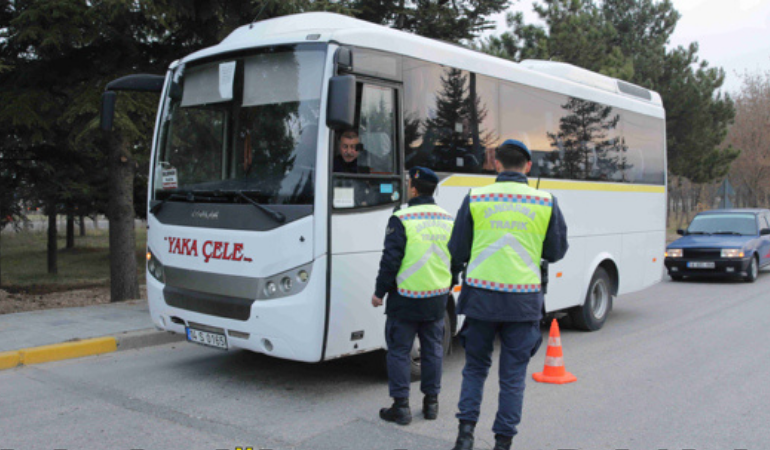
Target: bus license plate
<point>701,265</point>
<point>207,338</point>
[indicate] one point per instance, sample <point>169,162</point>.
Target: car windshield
<point>738,224</point>
<point>243,125</point>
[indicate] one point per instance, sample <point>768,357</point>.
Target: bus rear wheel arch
<point>591,315</point>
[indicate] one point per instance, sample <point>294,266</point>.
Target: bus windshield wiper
<point>277,216</point>
<point>156,207</point>
<point>187,196</point>
<point>734,233</point>
<point>698,232</point>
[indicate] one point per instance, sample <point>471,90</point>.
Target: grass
<point>23,261</point>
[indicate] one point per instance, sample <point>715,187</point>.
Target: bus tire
<point>598,303</point>
<point>415,371</point>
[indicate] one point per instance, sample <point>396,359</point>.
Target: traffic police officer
<point>415,273</point>
<point>501,233</point>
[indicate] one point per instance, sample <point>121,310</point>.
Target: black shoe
<point>465,436</point>
<point>430,407</point>
<point>502,442</point>
<point>398,413</point>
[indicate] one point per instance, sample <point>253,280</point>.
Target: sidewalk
<point>75,332</point>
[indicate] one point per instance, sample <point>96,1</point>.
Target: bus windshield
<point>242,127</point>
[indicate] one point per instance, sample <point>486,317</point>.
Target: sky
<point>732,34</point>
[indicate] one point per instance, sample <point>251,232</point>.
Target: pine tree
<point>627,39</point>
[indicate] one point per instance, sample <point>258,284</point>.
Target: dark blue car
<point>725,242</point>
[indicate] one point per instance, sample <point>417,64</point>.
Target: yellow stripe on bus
<point>465,181</point>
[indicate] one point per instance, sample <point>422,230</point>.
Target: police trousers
<point>399,335</point>
<point>519,342</point>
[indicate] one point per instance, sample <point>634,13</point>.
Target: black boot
<point>430,407</point>
<point>502,442</point>
<point>465,436</point>
<point>398,413</point>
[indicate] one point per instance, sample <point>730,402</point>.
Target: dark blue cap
<point>423,173</point>
<point>520,145</point>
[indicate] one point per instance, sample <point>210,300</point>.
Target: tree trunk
<point>82,225</point>
<point>53,264</point>
<point>124,283</point>
<point>95,219</point>
<point>1,258</point>
<point>70,228</point>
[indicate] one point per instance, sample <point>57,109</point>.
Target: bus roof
<point>328,27</point>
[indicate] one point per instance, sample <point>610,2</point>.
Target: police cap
<point>520,145</point>
<point>424,174</point>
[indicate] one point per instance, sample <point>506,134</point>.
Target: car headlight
<point>673,253</point>
<point>154,267</point>
<point>732,253</point>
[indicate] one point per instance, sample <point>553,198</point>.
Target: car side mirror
<point>680,232</point>
<point>764,231</point>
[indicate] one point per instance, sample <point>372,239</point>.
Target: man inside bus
<point>415,273</point>
<point>349,149</point>
<point>502,231</point>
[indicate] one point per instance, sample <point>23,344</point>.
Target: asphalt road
<point>678,366</point>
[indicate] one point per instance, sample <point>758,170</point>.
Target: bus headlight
<point>155,267</point>
<point>270,289</point>
<point>286,284</point>
<point>732,253</point>
<point>673,253</point>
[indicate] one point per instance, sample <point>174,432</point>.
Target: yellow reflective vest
<point>425,269</point>
<point>510,221</point>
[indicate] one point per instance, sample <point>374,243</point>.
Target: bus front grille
<point>205,303</point>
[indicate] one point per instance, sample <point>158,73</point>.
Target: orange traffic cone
<point>554,371</point>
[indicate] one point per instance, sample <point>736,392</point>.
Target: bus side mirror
<point>139,83</point>
<point>341,111</point>
<point>108,110</point>
<point>680,232</point>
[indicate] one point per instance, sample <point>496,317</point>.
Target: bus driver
<point>346,161</point>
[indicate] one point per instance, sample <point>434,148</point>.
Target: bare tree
<point>751,133</point>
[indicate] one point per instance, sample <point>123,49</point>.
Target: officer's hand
<point>376,301</point>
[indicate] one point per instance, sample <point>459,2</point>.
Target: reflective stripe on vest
<point>425,269</point>
<point>510,221</point>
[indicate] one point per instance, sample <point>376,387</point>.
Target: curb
<point>86,347</point>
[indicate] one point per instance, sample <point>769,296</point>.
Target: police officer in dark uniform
<point>415,273</point>
<point>501,233</point>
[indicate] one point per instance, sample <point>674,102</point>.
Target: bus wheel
<point>446,344</point>
<point>414,357</point>
<point>598,303</point>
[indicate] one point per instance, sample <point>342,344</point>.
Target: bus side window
<point>365,169</point>
<point>377,129</point>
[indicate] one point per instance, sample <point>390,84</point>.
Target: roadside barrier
<point>554,371</point>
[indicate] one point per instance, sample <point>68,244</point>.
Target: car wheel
<point>598,303</point>
<point>753,271</point>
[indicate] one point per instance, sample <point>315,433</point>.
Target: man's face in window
<point>348,149</point>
